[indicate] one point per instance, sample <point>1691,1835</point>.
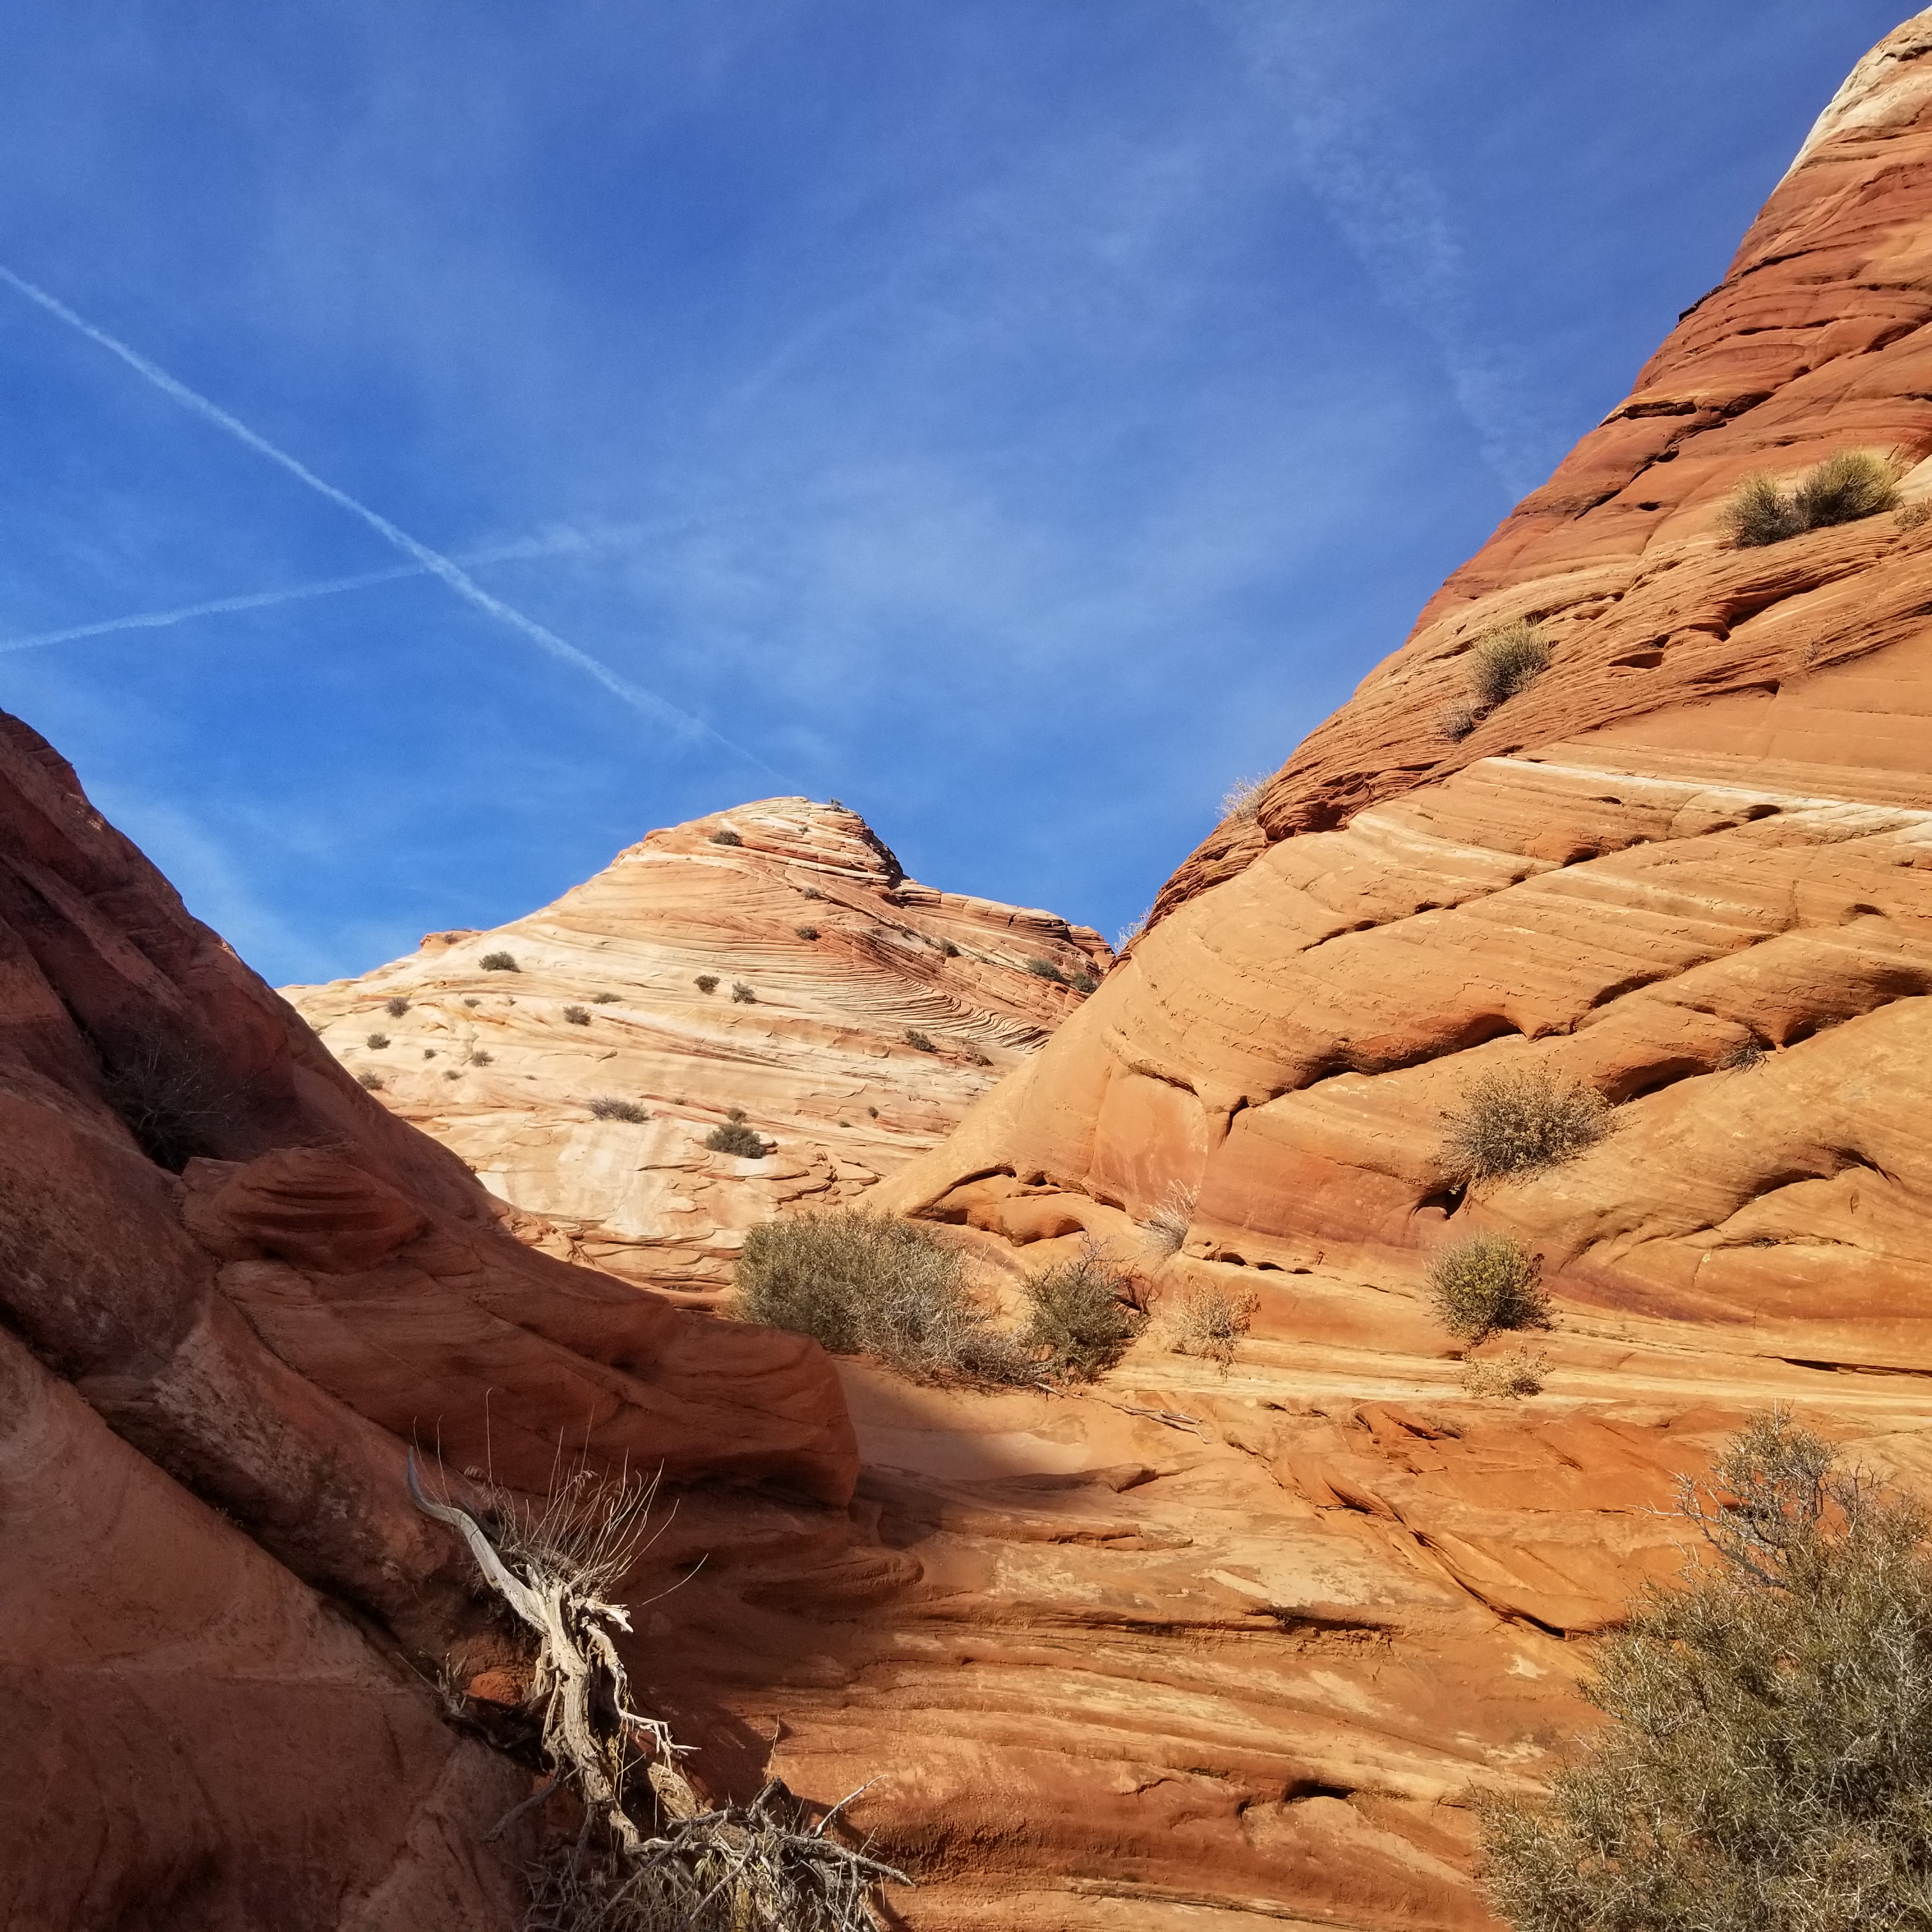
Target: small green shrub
<point>1045,969</point>
<point>741,994</point>
<point>605,999</point>
<point>806,932</point>
<point>429,1053</point>
<point>918,1042</point>
<point>875,1285</point>
<point>471,1001</point>
<point>726,839</point>
<point>1506,661</point>
<point>734,1137</point>
<point>1845,487</point>
<point>947,946</point>
<point>706,982</point>
<point>1083,982</point>
<point>1487,1281</point>
<point>481,1057</point>
<point>604,1108</point>
<point>1766,1761</point>
<point>397,1007</point>
<point>377,1040</point>
<point>577,1015</point>
<point>1082,1316</point>
<point>499,962</point>
<point>1518,1122</point>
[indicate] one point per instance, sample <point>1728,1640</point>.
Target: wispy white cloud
<point>659,710</point>
<point>1352,153</point>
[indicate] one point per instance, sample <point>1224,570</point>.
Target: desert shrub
<point>577,1015</point>
<point>1167,1226</point>
<point>726,839</point>
<point>499,962</point>
<point>734,1137</point>
<point>452,1074</point>
<point>1487,1281</point>
<point>605,999</point>
<point>1845,487</point>
<point>471,1001</point>
<point>1082,1315</point>
<point>706,982</point>
<point>1458,721</point>
<point>810,892</point>
<point>947,946</point>
<point>429,1053</point>
<point>876,1285</point>
<point>1767,1759</point>
<point>397,1007</point>
<point>373,1081</point>
<point>1506,661</point>
<point>377,1040</point>
<point>918,1042</point>
<point>1243,799</point>
<point>480,1056</point>
<point>1083,981</point>
<point>1913,514</point>
<point>1744,1055</point>
<point>1208,1322</point>
<point>741,994</point>
<point>177,1101</point>
<point>1045,969</point>
<point>974,1056</point>
<point>874,1111</point>
<point>806,932</point>
<point>1516,1123</point>
<point>1851,485</point>
<point>605,1108</point>
<point>1511,1376</point>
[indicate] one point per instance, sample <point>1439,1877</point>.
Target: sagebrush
<point>1486,1282</point>
<point>1505,661</point>
<point>1518,1121</point>
<point>499,962</point>
<point>873,1284</point>
<point>1766,1764</point>
<point>734,1137</point>
<point>1845,488</point>
<point>1082,1314</point>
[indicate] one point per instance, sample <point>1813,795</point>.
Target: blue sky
<point>1016,421</point>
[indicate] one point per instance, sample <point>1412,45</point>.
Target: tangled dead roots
<point>651,1856</point>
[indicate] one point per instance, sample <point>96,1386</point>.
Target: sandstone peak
<point>771,962</point>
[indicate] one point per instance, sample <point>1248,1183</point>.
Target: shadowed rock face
<point>1195,1649</point>
<point>798,904</point>
<point>206,1380</point>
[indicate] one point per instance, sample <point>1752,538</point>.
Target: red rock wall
<point>207,1380</point>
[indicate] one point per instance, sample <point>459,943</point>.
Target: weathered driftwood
<point>756,1867</point>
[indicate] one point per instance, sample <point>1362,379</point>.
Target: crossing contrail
<point>260,600</point>
<point>466,586</point>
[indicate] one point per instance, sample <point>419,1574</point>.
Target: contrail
<point>465,586</point>
<point>258,600</point>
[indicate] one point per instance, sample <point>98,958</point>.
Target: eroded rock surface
<point>208,1376</point>
<point>852,1017</point>
<point>1198,1650</point>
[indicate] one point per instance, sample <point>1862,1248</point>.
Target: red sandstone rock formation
<point>1231,1650</point>
<point>879,1010</point>
<point>206,1379</point>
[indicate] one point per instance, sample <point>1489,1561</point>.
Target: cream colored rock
<point>853,1017</point>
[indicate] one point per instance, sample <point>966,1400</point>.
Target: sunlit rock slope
<point>773,960</point>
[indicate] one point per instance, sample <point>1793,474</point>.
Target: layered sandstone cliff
<point>232,1288</point>
<point>772,964</point>
<point>1195,1649</point>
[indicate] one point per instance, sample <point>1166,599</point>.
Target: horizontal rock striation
<point>1238,1649</point>
<point>852,1016</point>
